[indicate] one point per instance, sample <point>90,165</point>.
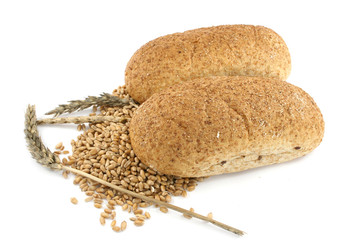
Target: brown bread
<point>219,125</point>
<point>228,50</point>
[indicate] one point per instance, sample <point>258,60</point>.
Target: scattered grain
<point>59,146</point>
<point>102,220</point>
<point>116,228</point>
<point>98,205</point>
<point>89,193</point>
<point>113,223</point>
<point>65,161</point>
<point>104,215</point>
<point>164,209</point>
<point>109,206</point>
<point>140,217</point>
<point>98,200</point>
<point>109,211</point>
<point>123,225</point>
<point>138,211</point>
<point>184,193</point>
<point>144,205</point>
<point>187,215</point>
<point>138,223</point>
<point>65,174</point>
<point>74,200</point>
<point>124,207</point>
<point>168,198</point>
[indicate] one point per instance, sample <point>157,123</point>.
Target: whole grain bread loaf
<point>228,50</point>
<point>219,125</point>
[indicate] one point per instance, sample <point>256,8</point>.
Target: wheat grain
<point>123,225</point>
<point>109,206</point>
<point>98,200</point>
<point>138,211</point>
<point>74,200</point>
<point>97,205</point>
<point>89,199</point>
<point>116,228</point>
<point>140,217</point>
<point>164,209</point>
<point>124,207</point>
<point>113,223</point>
<point>104,215</point>
<point>187,215</point>
<point>113,215</point>
<point>102,220</point>
<point>65,174</point>
<point>89,193</point>
<point>59,146</point>
<point>106,210</point>
<point>183,193</point>
<point>138,223</point>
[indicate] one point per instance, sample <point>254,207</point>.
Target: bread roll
<point>219,125</point>
<point>229,50</point>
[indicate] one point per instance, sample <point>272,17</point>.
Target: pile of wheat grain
<point>104,150</point>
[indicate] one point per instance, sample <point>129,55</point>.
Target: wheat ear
<point>46,158</point>
<point>105,99</point>
<point>34,144</point>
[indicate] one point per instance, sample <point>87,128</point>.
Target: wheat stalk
<point>46,158</point>
<point>105,99</point>
<point>154,201</point>
<point>82,119</point>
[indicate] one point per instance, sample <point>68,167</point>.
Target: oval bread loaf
<point>228,50</point>
<point>220,125</point>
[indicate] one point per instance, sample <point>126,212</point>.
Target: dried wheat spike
<point>36,147</point>
<point>105,99</point>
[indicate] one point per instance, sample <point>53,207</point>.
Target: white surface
<point>54,51</point>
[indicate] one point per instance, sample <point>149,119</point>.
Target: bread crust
<point>219,125</point>
<point>227,50</point>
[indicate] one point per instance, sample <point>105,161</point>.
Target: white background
<point>55,51</point>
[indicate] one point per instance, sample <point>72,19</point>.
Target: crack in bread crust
<point>242,115</point>
<point>243,162</point>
